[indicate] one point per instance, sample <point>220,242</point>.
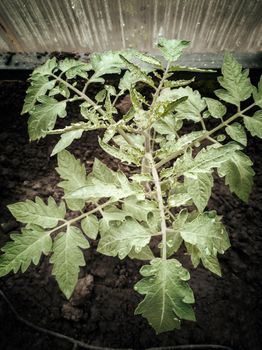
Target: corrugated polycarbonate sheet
<point>97,25</point>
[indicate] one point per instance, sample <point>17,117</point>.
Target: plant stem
<point>204,136</point>
<point>81,94</point>
<point>147,132</point>
<point>96,106</point>
<point>160,205</point>
<point>69,222</point>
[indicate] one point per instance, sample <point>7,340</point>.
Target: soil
<point>228,309</point>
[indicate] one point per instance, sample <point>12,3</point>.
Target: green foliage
<point>120,238</point>
<point>25,247</point>
<point>205,236</point>
<point>254,124</point>
<point>167,294</point>
<point>74,175</point>
<point>67,257</point>
<point>235,81</point>
<point>44,115</point>
<point>164,135</point>
<point>38,213</point>
<point>238,174</point>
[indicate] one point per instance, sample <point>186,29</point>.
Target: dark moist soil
<point>228,309</point>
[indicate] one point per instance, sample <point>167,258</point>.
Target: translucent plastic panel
<point>96,25</point>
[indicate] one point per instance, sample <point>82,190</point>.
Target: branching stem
<point>204,136</point>
<point>69,222</point>
<point>95,105</point>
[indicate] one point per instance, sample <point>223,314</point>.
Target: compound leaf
<point>43,116</point>
<point>254,124</point>
<point>236,84</point>
<point>38,213</point>
<point>257,93</point>
<point>208,237</point>
<point>47,68</point>
<point>119,238</point>
<point>104,183</point>
<point>25,247</point>
<point>66,139</point>
<point>199,189</point>
<point>238,174</point>
<point>207,159</point>
<point>67,257</point>
<point>191,108</point>
<point>167,294</point>
<point>112,213</point>
<point>74,175</point>
<point>237,132</point>
<point>39,85</point>
<point>216,108</point>
<point>140,210</point>
<point>72,68</point>
<point>90,226</point>
<point>172,49</point>
<point>137,72</point>
<point>144,254</point>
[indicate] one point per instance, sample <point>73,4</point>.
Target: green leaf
<point>25,247</point>
<point>216,108</point>
<point>72,68</point>
<point>236,84</point>
<point>172,49</point>
<point>257,93</point>
<point>112,213</point>
<point>144,254</point>
<point>167,295</point>
<point>167,125</point>
<point>104,183</point>
<point>119,239</point>
<point>43,116</point>
<point>172,146</point>
<point>145,57</point>
<point>238,174</point>
<point>254,124</point>
<point>74,175</point>
<point>178,199</point>
<point>39,85</point>
<point>237,132</point>
<point>207,159</point>
<point>46,68</point>
<point>128,81</point>
<point>140,210</point>
<point>66,139</point>
<point>38,213</point>
<point>137,72</point>
<point>90,226</point>
<point>164,108</point>
<point>60,89</point>
<point>191,108</point>
<point>105,63</point>
<point>131,155</point>
<point>177,83</point>
<point>174,239</point>
<point>199,189</point>
<point>208,237</point>
<point>67,257</point>
<point>179,68</point>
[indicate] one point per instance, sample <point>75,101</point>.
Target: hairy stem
<point>69,222</point>
<point>160,205</point>
<point>204,136</point>
<point>95,105</point>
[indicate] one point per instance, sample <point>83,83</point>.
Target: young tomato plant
<point>168,194</point>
